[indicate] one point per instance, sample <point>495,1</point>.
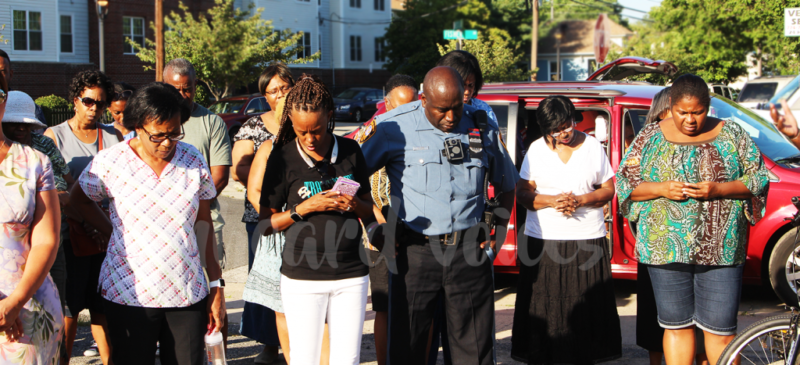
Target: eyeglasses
<point>3,96</point>
<point>285,89</point>
<point>89,102</point>
<point>556,135</point>
<point>123,95</point>
<point>161,138</point>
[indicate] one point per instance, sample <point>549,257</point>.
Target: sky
<point>643,5</point>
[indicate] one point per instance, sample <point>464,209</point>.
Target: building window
<point>306,42</point>
<point>355,3</point>
<point>66,34</point>
<point>132,28</point>
<point>592,66</point>
<point>553,71</point>
<point>380,5</point>
<point>27,30</point>
<point>355,48</point>
<point>380,54</point>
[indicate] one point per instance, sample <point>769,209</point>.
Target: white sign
<point>791,22</point>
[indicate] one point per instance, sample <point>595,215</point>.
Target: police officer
<point>437,158</point>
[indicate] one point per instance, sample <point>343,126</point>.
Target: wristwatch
<point>295,215</point>
<point>217,283</point>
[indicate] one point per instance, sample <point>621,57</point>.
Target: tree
<point>497,59</point>
<point>712,39</point>
<point>226,49</point>
<point>761,21</point>
<point>414,34</point>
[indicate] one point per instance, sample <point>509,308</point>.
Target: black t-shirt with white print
<point>326,245</point>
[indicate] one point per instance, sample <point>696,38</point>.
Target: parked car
<point>236,110</point>
<point>762,89</point>
<point>771,256</point>
<point>722,90</point>
<point>355,103</point>
<point>789,93</point>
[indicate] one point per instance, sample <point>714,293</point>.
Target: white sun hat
<point>20,108</point>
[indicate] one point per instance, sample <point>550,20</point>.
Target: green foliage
<point>202,96</point>
<point>415,33</point>
<point>497,60</point>
<point>712,39</point>
<point>52,101</point>
<point>228,48</point>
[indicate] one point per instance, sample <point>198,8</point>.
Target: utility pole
<point>159,40</point>
<point>534,37</point>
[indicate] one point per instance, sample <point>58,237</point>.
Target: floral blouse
<point>48,147</point>
<point>153,255</point>
<point>252,130</point>
<point>24,172</point>
<point>693,231</point>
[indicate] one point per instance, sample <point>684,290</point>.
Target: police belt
<point>451,239</point>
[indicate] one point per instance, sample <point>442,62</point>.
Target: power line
<point>624,7</point>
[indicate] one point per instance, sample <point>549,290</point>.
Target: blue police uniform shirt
<point>481,105</point>
<point>436,197</point>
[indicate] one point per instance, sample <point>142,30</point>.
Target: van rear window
<point>758,93</point>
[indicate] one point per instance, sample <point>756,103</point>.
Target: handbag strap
<point>99,138</point>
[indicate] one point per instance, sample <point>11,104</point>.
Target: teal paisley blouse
<point>693,231</point>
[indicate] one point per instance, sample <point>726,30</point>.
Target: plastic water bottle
<point>215,349</point>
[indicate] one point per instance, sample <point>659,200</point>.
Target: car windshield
<point>769,140</point>
<point>348,94</point>
<point>227,106</point>
<point>758,93</point>
<point>786,92</point>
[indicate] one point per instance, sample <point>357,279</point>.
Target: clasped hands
<point>675,190</point>
<point>567,203</point>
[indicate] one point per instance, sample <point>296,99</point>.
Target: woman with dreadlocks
<point>322,275</point>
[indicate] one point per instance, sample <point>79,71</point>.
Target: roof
<point>623,92</point>
<point>579,37</point>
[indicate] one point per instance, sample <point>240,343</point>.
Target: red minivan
<point>617,107</point>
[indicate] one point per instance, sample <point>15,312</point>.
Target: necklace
<point>76,130</point>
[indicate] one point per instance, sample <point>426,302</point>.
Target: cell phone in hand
<point>346,186</point>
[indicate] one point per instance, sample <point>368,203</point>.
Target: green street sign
<point>457,34</point>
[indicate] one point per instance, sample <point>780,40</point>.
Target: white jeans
<point>308,302</point>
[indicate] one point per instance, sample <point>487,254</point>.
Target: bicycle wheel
<point>764,342</point>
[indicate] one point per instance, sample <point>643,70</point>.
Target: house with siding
<point>576,50</point>
<point>348,34</point>
<point>47,41</point>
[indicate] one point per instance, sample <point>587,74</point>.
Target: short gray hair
<point>180,67</point>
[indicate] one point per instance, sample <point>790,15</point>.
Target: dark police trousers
<point>466,286</point>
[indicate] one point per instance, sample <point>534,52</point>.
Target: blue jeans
<point>251,248</point>
<point>706,296</point>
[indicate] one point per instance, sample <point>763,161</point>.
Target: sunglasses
<point>556,135</point>
<point>3,96</point>
<point>161,138</point>
<point>89,102</point>
<point>326,172</point>
<point>122,96</point>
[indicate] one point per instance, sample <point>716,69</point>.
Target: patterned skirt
<point>263,285</point>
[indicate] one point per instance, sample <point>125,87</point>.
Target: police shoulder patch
<point>365,132</point>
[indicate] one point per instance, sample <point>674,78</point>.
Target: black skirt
<point>565,311</point>
<point>649,334</point>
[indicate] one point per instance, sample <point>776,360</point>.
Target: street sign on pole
<point>602,38</point>
<point>458,34</point>
<point>791,22</point>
